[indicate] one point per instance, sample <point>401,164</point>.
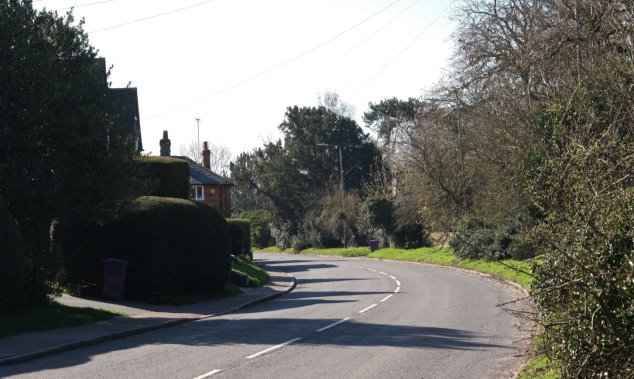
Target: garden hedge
<point>240,230</point>
<point>12,261</point>
<point>172,246</point>
<point>169,177</point>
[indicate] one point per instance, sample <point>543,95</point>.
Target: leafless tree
<point>219,158</point>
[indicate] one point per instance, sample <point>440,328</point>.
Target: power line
<point>151,17</point>
<point>84,5</point>
<point>402,51</point>
<point>374,33</point>
<point>273,68</point>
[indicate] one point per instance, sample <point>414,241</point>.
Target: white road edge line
<point>368,308</point>
<point>207,375</point>
<point>333,324</point>
<point>392,276</point>
<point>385,298</point>
<point>398,283</point>
<point>371,269</point>
<point>273,348</point>
<point>397,289</point>
<point>383,273</point>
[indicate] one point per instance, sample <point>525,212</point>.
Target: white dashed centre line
<point>207,375</point>
<point>333,324</point>
<point>367,308</point>
<point>382,273</point>
<point>397,289</point>
<point>392,276</point>
<point>273,348</point>
<point>371,269</point>
<point>397,282</point>
<point>385,298</point>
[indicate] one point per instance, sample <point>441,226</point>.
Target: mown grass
<point>46,317</point>
<point>257,276</point>
<point>539,367</point>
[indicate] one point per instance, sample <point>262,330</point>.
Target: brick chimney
<point>206,155</point>
<point>166,145</point>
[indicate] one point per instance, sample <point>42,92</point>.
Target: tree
<point>294,175</point>
<point>60,155</point>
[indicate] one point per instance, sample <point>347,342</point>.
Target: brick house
<point>206,186</point>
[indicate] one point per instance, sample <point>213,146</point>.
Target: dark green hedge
<point>240,235</point>
<point>12,261</point>
<point>169,177</point>
<point>173,246</point>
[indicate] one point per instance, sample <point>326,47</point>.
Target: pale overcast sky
<point>237,64</point>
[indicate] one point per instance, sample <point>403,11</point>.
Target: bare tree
<point>219,158</point>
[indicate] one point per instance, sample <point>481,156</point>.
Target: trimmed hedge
<point>12,262</point>
<point>240,230</point>
<point>169,176</point>
<point>173,246</point>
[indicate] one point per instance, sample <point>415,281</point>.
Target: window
<point>196,193</point>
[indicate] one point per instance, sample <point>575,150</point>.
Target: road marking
<point>382,273</point>
<point>397,282</point>
<point>333,324</point>
<point>207,375</point>
<point>385,298</point>
<point>273,348</point>
<point>397,289</point>
<point>392,276</point>
<point>371,269</point>
<point>368,308</point>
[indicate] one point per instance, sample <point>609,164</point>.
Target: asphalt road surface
<point>347,318</point>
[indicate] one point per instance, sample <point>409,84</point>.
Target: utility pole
<point>198,143</point>
<point>345,243</point>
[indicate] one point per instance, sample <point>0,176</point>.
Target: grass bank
<point>51,316</point>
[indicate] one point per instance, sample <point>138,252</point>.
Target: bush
<point>172,246</point>
<point>475,239</point>
<point>12,261</point>
<point>260,228</point>
<point>169,177</point>
<point>240,230</point>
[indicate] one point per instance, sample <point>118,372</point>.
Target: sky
<point>238,64</point>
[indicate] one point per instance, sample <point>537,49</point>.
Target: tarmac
<point>140,318</point>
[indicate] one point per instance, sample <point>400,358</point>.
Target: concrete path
<point>141,318</point>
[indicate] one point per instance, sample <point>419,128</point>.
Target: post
<point>345,242</point>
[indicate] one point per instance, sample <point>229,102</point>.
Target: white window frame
<point>196,191</point>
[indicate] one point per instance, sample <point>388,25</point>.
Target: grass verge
<point>51,316</point>
<point>257,276</point>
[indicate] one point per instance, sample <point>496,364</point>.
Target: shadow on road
<point>247,332</point>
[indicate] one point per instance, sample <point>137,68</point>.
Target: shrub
<point>240,230</point>
<point>476,239</point>
<point>260,228</point>
<point>12,261</point>
<point>169,177</point>
<point>173,246</point>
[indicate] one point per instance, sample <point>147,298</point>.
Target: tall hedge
<point>240,230</point>
<point>169,177</point>
<point>12,261</point>
<point>173,246</point>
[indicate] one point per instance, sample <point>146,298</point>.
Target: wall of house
<point>219,198</point>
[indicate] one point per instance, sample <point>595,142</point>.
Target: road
<point>347,318</point>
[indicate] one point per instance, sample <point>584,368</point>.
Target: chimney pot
<point>166,145</point>
<point>206,156</point>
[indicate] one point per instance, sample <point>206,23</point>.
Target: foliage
<point>260,230</point>
<point>240,230</point>
<point>476,239</point>
<point>169,177</point>
<point>59,154</point>
<point>12,262</point>
<point>173,246</point>
<point>49,316</point>
<point>293,176</point>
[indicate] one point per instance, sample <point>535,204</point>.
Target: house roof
<point>201,176</point>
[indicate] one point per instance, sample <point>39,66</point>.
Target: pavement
<point>140,318</point>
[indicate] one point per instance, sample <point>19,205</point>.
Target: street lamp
<point>345,244</point>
